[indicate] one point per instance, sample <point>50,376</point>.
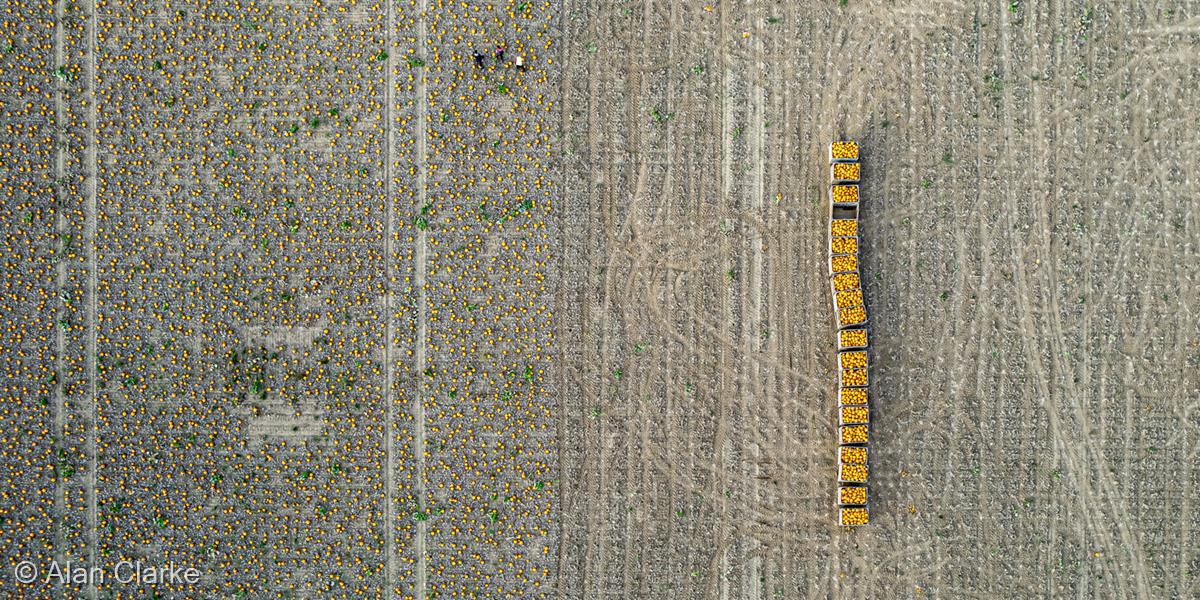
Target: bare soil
<point>1029,231</point>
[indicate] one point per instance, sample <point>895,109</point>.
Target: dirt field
<point>1030,262</point>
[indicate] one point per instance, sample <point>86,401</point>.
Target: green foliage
<point>660,117</point>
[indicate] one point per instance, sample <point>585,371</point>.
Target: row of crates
<point>850,320</point>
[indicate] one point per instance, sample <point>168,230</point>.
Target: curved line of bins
<point>850,321</point>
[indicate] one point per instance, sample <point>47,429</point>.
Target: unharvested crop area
<point>487,299</point>
<point>277,304</point>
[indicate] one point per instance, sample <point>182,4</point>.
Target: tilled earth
<point>1029,231</point>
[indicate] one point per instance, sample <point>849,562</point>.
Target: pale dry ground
<point>1030,261</point>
